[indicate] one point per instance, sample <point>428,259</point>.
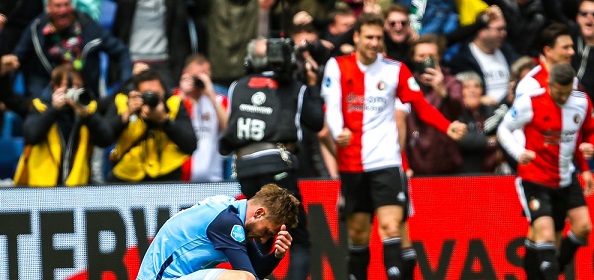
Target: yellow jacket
<point>139,153</point>
<point>39,165</point>
<point>469,9</point>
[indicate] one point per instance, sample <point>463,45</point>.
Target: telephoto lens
<point>80,96</point>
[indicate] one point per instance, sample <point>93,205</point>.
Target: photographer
<point>267,111</point>
<point>153,130</point>
<point>311,53</point>
<point>444,92</point>
<point>59,136</point>
<point>208,113</point>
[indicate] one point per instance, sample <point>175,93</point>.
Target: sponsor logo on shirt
<point>514,112</point>
<point>257,100</point>
<point>577,118</point>
<point>327,82</point>
<point>237,233</point>
<point>412,84</point>
<point>359,103</point>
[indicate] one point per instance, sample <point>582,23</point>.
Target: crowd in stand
<point>467,57</point>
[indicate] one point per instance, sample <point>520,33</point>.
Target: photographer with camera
<point>59,137</point>
<point>208,113</point>
<point>154,133</point>
<point>267,110</point>
<point>443,91</point>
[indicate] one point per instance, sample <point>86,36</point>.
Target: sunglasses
<point>585,14</point>
<point>402,22</point>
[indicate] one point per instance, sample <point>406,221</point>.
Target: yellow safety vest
<point>39,165</point>
<point>154,156</point>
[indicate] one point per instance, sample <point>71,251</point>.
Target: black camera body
<point>151,99</point>
<point>280,55</point>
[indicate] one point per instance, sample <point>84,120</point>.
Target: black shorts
<point>364,192</point>
<point>538,200</point>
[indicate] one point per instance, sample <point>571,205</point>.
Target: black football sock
<point>358,261</point>
<point>393,258</point>
<point>569,245</point>
<point>409,261</point>
<point>547,260</point>
<point>531,261</point>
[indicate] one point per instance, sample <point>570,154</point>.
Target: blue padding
<point>13,125</point>
<point>10,149</point>
<point>108,13</point>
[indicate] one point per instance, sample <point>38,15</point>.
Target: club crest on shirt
<point>577,118</point>
<point>534,204</point>
<point>327,82</point>
<point>237,233</point>
<point>381,85</point>
<point>413,85</point>
<point>514,112</point>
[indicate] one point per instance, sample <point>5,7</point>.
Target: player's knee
<point>359,235</point>
<point>583,229</point>
<point>390,230</point>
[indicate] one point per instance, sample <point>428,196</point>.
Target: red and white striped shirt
<point>361,98</point>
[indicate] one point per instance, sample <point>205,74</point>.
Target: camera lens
<point>198,83</point>
<point>150,98</point>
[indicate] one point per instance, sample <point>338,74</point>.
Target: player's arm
<point>408,91</point>
<point>264,264</point>
<point>516,118</point>
<point>332,94</point>
<point>227,234</point>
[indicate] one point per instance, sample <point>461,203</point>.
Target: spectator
<point>525,19</point>
<point>480,151</point>
<point>208,113</point>
<point>65,36</point>
<point>231,26</point>
<point>360,91</point>
<point>268,109</point>
<point>489,56</point>
<point>444,92</point>
<point>518,70</point>
<point>398,33</point>
<point>155,134</point>
<point>548,189</point>
<point>583,60</point>
<point>59,135</point>
<point>157,32</point>
<point>220,229</point>
<point>341,22</point>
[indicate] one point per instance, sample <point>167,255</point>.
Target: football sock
<point>393,258</point>
<point>569,245</point>
<point>409,261</point>
<point>358,261</point>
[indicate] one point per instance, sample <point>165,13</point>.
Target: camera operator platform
<point>267,111</point>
